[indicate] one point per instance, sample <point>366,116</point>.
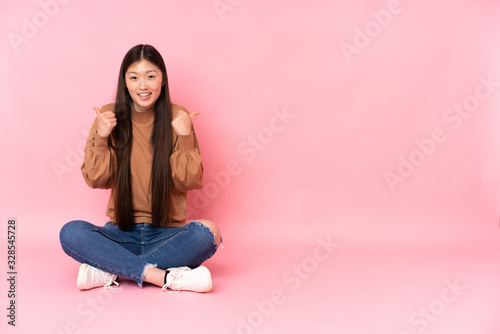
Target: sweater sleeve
<point>98,160</point>
<point>186,163</point>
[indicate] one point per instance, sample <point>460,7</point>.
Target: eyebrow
<point>143,72</point>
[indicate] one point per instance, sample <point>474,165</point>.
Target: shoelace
<point>111,281</point>
<point>103,276</point>
<point>173,275</point>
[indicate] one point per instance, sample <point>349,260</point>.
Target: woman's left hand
<point>182,122</point>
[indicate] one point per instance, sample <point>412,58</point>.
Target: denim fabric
<point>128,253</point>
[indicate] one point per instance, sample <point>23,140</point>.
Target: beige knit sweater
<point>186,165</point>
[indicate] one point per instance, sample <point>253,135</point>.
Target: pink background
<point>305,109</point>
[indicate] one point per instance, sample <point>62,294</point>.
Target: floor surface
<point>318,286</point>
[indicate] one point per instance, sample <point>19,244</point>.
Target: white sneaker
<point>183,278</point>
<point>90,277</point>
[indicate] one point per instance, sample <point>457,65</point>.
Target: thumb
<point>97,111</point>
<point>193,114</point>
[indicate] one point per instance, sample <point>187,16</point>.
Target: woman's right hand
<point>106,121</point>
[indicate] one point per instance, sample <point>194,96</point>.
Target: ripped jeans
<point>128,254</point>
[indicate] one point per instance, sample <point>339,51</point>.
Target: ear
<point>163,78</point>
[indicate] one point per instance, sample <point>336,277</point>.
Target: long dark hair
<point>161,139</point>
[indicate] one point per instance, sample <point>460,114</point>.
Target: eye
<point>151,77</point>
<point>133,78</point>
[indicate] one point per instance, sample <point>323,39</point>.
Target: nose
<point>143,84</point>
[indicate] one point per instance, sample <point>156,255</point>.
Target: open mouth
<point>144,96</point>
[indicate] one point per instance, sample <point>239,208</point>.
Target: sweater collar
<point>144,116</point>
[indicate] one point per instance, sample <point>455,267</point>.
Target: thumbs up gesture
<point>106,121</point>
<point>182,122</point>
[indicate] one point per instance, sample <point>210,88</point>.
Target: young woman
<point>145,150</point>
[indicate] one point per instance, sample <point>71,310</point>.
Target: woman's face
<point>144,81</point>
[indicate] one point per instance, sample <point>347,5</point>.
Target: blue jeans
<point>128,254</point>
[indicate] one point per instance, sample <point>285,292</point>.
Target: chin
<point>142,105</point>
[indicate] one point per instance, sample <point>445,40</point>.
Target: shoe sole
<point>81,274</point>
